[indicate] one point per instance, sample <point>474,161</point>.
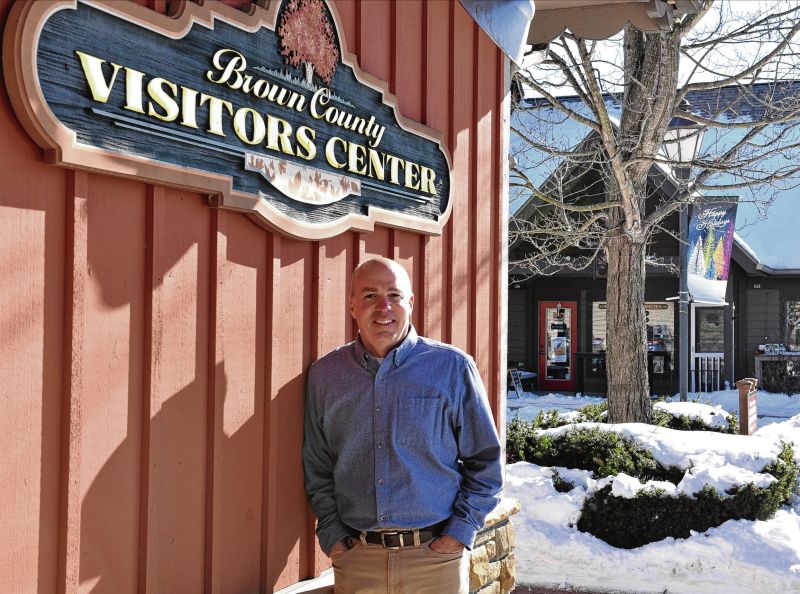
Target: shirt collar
<point>398,354</point>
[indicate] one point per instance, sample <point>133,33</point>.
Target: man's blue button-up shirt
<point>406,442</point>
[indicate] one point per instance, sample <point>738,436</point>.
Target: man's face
<point>381,304</point>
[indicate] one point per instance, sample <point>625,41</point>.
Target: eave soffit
<point>600,19</point>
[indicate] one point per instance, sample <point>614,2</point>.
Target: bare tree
<point>731,74</point>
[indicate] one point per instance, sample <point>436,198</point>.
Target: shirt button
<point>380,446</point>
<point>382,518</point>
<point>380,481</point>
<point>377,409</point>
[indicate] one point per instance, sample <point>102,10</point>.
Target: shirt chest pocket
<point>420,420</point>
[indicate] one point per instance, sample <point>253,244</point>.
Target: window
<point>709,330</point>
<point>660,317</point>
<point>793,325</point>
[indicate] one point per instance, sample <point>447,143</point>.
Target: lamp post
<point>681,144</point>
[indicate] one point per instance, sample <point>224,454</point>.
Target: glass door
<point>707,354</point>
<point>557,342</point>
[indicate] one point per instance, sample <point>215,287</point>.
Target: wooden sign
<point>266,113</point>
<point>748,406</point>
<point>516,382</point>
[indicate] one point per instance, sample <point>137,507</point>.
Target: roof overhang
<point>745,257</point>
<point>507,22</point>
<point>770,271</point>
<point>600,19</point>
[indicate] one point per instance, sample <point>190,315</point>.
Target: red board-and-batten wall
<point>154,349</point>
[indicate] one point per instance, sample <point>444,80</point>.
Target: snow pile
<point>713,416</point>
<point>529,406</point>
<point>722,478</point>
<point>739,556</point>
<point>771,407</point>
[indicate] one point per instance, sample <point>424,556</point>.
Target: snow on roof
<point>745,246</point>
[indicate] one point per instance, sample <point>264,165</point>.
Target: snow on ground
<point>530,405</point>
<point>760,557</point>
<point>711,415</point>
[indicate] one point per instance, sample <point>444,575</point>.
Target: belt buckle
<point>391,532</point>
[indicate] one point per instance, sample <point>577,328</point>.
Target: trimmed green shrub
<point>593,413</point>
<point>561,484</point>
<point>519,433</point>
<point>653,516</point>
<point>787,470</point>
<point>604,453</point>
<point>663,418</point>
<point>548,419</point>
<point>733,424</point>
<point>660,417</point>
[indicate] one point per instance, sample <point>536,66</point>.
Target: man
<point>402,460</point>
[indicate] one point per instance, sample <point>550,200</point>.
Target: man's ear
<point>352,313</point>
<point>411,303</point>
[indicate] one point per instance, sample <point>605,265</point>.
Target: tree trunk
<point>308,70</point>
<point>626,331</point>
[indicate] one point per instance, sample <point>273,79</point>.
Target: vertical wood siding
<point>155,349</point>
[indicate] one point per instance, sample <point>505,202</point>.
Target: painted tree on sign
<point>719,259</point>
<point>697,263</point>
<point>308,40</point>
<point>709,252</point>
<point>728,248</point>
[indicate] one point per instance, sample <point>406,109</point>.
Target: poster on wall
<point>559,346</point>
<point>711,231</point>
<point>266,113</point>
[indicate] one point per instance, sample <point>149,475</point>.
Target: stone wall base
<point>491,568</point>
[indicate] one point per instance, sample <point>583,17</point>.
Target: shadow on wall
<point>153,512</point>
<point>174,535</point>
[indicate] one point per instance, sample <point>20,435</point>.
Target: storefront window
<point>709,330</point>
<point>660,319</point>
<point>793,325</point>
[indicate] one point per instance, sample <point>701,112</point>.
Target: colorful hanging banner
<point>709,252</point>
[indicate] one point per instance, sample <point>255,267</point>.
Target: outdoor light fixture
<point>682,142</point>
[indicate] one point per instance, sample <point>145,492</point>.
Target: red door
<point>558,324</point>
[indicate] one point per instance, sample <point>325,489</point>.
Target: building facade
<point>156,344</point>
<point>726,343</point>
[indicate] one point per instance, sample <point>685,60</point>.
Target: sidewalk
<point>522,589</point>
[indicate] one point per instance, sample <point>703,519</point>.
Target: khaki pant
<point>373,569</point>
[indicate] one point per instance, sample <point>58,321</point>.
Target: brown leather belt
<point>397,539</point>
